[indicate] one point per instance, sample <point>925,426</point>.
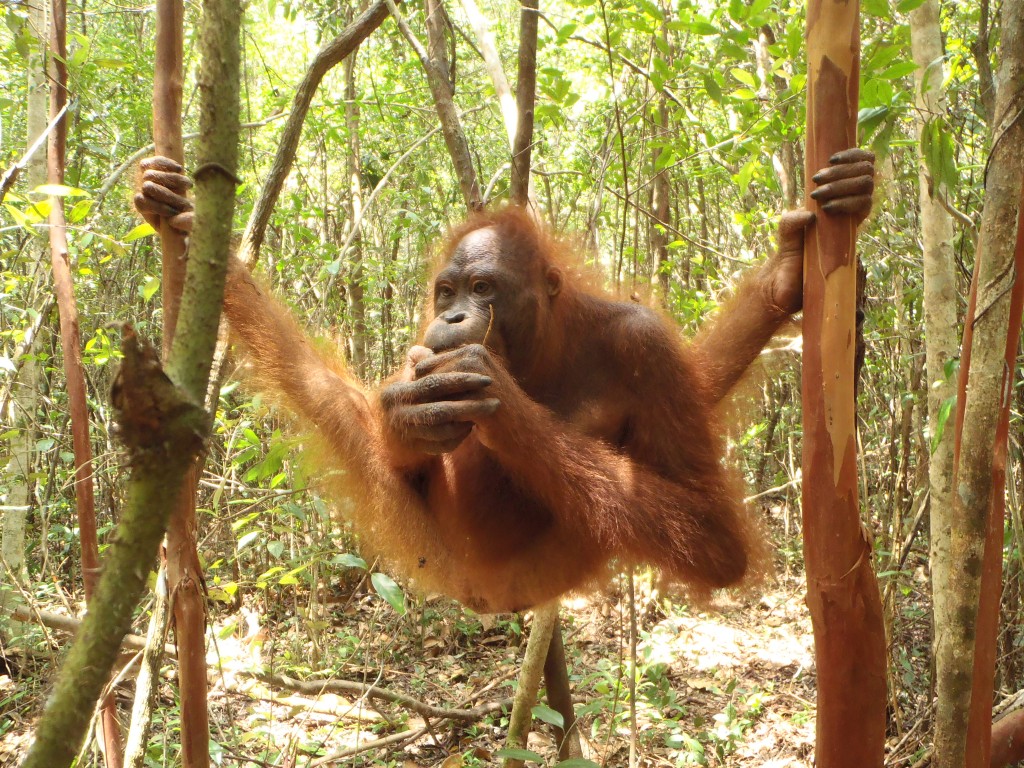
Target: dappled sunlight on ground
<point>731,684</point>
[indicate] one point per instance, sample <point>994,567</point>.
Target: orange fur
<point>605,445</point>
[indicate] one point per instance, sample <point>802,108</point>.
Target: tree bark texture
<point>163,432</point>
<point>167,84</point>
<point>842,594</point>
<point>965,649</point>
<point>661,205</point>
<point>526,92</point>
<point>545,620</point>
<point>556,680</point>
<point>148,678</point>
<point>940,299</point>
<point>183,571</point>
<point>71,347</point>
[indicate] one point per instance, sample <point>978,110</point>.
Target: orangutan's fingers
<point>846,171</point>
<point>471,358</point>
<point>161,163</point>
<point>417,353</point>
<point>849,205</point>
<point>795,221</point>
<point>852,155</point>
<point>183,221</point>
<point>176,182</point>
<point>164,195</point>
<point>433,388</point>
<point>149,207</point>
<point>432,414</point>
<point>855,187</point>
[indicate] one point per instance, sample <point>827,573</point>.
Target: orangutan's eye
<point>481,287</point>
<point>445,292</point>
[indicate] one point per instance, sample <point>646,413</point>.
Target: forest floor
<point>732,684</point>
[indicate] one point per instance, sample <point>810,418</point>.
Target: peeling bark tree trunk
<point>940,321</point>
<point>161,417</point>
<point>184,575</point>
<point>965,649</point>
<point>842,594</point>
<point>71,347</point>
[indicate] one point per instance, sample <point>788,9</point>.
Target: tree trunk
<point>661,208</point>
<point>526,89</point>
<point>354,292</point>
<point>492,62</point>
<point>163,432</point>
<point>940,299</point>
<point>183,570</point>
<point>545,619</point>
<point>451,126</point>
<point>965,648</point>
<point>26,385</point>
<point>71,347</point>
<point>842,594</point>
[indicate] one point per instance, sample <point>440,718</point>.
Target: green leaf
<point>704,28</point>
<point>19,218</point>
<point>246,540</point>
<point>276,549</point>
<point>939,154</point>
<point>149,288</point>
<point>80,211</point>
<point>577,762</point>
<point>714,90</point>
<point>897,71</point>
<point>39,210</point>
<point>520,754</point>
<point>743,76</point>
<point>949,367</point>
<point>45,444</point>
<point>869,119</point>
<point>389,590</point>
<point>548,715</point>
<point>878,8</point>
<point>143,230</point>
<point>906,6</point>
<point>940,426</point>
<point>349,560</point>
